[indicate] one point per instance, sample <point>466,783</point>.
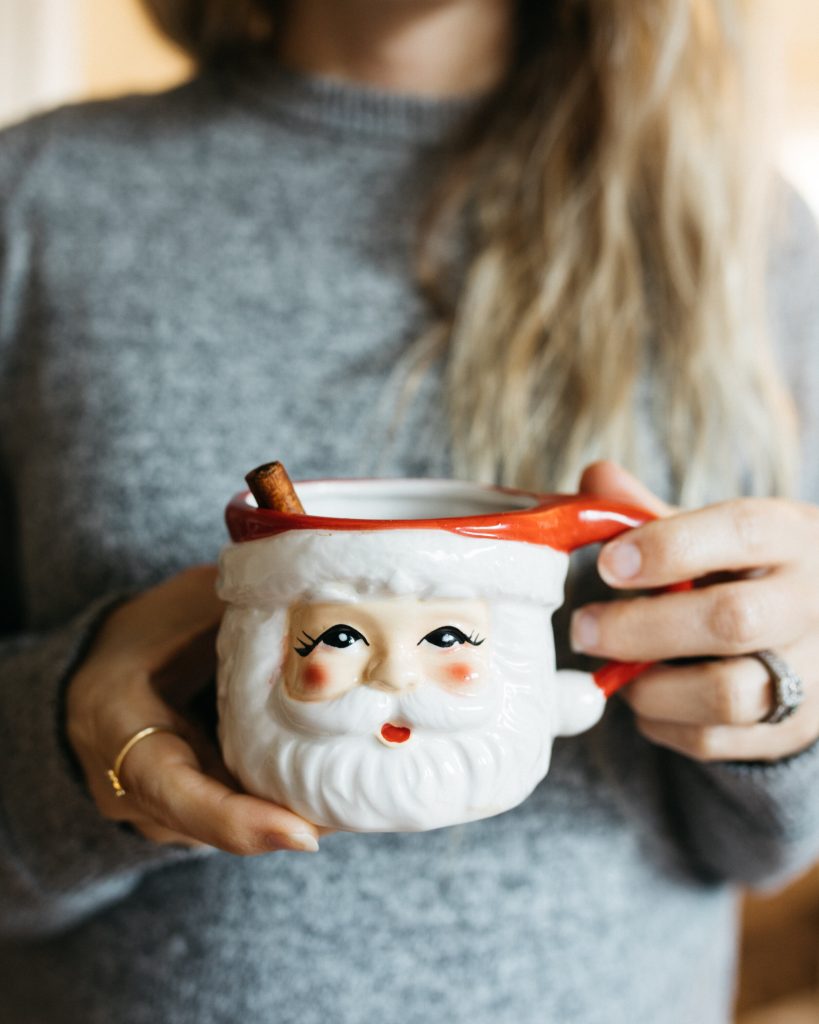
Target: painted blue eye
<point>338,636</point>
<point>450,636</point>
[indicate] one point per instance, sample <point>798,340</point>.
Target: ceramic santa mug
<point>386,662</point>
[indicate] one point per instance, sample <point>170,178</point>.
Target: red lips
<point>395,733</point>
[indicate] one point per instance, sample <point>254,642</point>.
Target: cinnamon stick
<point>271,487</point>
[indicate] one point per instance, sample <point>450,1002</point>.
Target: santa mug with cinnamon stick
<point>386,660</point>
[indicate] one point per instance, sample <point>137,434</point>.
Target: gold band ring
<point>113,773</point>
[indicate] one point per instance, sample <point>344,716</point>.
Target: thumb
<point>607,479</point>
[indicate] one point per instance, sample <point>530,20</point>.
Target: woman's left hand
<point>767,552</point>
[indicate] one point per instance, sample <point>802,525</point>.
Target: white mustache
<point>365,709</point>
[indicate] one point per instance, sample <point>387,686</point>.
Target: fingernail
<point>302,841</point>
<point>585,632</point>
<point>621,560</point>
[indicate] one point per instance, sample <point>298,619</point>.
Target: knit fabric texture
<point>190,285</point>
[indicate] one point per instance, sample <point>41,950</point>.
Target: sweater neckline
<point>345,108</point>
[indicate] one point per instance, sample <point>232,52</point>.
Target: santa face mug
<point>387,663</point>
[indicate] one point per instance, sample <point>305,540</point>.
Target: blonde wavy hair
<point>611,193</point>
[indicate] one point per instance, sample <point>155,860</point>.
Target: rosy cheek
<point>460,673</point>
<point>315,677</point>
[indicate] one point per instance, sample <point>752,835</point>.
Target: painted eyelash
<point>312,642</point>
<point>306,645</point>
<point>472,639</point>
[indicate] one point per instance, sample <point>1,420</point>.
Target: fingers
<point>605,479</point>
<point>188,671</point>
<point>745,534</point>
<point>730,691</point>
<point>725,619</point>
<point>736,743</point>
<point>150,629</point>
<point>164,836</point>
<point>163,778</point>
<point>713,710</point>
<point>162,641</point>
<point>755,557</point>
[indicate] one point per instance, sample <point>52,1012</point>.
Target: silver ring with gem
<point>789,691</point>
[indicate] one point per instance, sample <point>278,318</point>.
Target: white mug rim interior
<point>346,498</point>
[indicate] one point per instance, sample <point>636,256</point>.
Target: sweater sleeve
<point>752,823</point>
<point>60,860</point>
<point>759,823</point>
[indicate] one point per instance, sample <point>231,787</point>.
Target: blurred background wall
<point>54,51</point>
<point>800,133</point>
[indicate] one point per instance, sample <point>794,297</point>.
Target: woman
<point>196,282</point>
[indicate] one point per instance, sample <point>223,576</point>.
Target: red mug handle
<point>580,521</point>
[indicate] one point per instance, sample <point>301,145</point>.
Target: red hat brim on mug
<point>563,522</point>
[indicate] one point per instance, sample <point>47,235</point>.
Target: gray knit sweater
<point>191,284</point>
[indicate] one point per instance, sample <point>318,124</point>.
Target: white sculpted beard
<point>468,756</point>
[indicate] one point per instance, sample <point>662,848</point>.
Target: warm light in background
<point>122,52</point>
<point>799,153</point>
<point>57,50</point>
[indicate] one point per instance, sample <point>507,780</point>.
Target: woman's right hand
<point>177,789</point>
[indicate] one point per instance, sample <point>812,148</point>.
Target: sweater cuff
<point>55,838</point>
<point>783,795</point>
<point>758,822</point>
